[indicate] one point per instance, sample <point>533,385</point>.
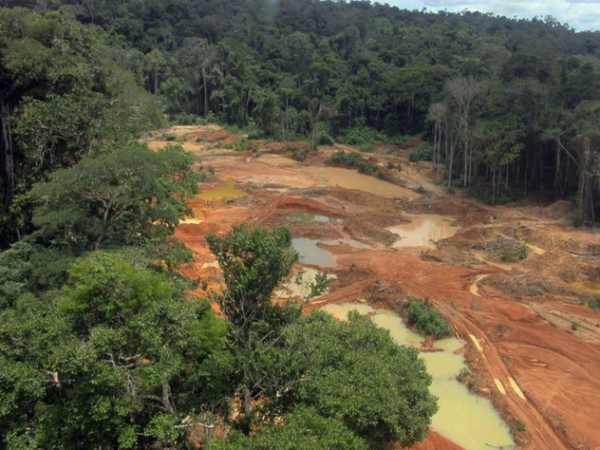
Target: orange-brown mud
<point>515,316</point>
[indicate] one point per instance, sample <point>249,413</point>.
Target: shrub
<point>575,325</point>
<point>463,374</point>
<point>170,137</point>
<point>325,139</point>
<point>300,154</point>
<point>423,316</point>
<point>356,160</point>
<point>594,303</point>
<point>520,426</point>
<point>422,152</point>
<point>241,145</point>
<point>515,253</point>
<point>366,148</point>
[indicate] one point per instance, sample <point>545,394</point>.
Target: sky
<point>579,14</point>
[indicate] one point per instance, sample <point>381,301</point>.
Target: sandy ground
<point>516,317</point>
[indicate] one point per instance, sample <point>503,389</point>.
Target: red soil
<point>524,335</point>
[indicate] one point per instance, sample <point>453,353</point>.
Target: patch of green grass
<point>516,253</point>
<point>594,303</point>
<point>426,319</point>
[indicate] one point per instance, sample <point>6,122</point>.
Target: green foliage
<point>355,160</point>
<point>320,285</point>
<point>188,119</point>
<point>520,426</point>
<point>575,325</point>
<point>129,196</point>
<point>241,145</point>
<point>254,261</point>
<point>594,303</point>
<point>463,375</point>
<point>363,138</point>
<point>325,139</point>
<point>486,195</point>
<point>422,152</point>
<point>304,429</point>
<point>515,253</point>
<point>389,399</point>
<point>64,97</point>
<point>300,154</point>
<point>423,316</point>
<point>118,353</point>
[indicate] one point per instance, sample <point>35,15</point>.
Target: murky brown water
<point>351,179</point>
<point>422,231</point>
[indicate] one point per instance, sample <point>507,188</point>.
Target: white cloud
<point>580,14</point>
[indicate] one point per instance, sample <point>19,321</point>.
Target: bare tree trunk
<point>7,157</point>
<point>583,177</point>
<point>205,92</point>
<point>557,170</point>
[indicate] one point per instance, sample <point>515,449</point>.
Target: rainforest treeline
<point>510,106</point>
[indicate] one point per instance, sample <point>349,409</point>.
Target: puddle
<point>351,242</point>
<point>589,285</point>
<point>423,230</point>
<point>301,216</point>
<point>311,253</point>
<point>466,419</point>
<point>228,191</point>
<point>300,287</point>
<point>351,179</point>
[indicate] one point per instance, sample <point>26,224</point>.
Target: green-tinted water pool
<point>463,417</point>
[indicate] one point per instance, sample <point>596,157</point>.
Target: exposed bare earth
<point>516,317</point>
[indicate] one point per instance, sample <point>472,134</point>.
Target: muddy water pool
<point>351,179</point>
<point>228,191</point>
<point>301,216</point>
<point>464,418</point>
<point>422,231</point>
<point>310,253</point>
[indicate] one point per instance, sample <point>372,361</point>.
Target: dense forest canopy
<point>510,105</point>
<point>101,344</point>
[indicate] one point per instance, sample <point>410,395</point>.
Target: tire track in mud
<point>540,431</point>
